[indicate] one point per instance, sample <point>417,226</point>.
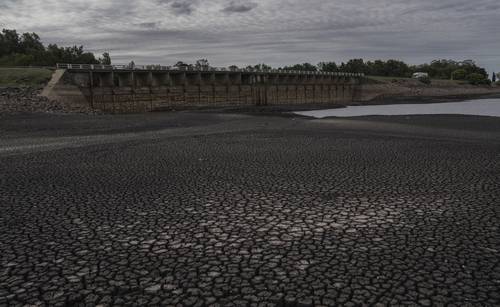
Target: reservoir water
<point>480,107</point>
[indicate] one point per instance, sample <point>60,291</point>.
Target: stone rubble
<point>28,100</point>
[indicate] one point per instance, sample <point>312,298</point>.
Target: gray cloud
<point>277,32</point>
<point>181,7</point>
<point>239,7</point>
<point>148,25</point>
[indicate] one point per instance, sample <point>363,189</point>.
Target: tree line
<point>438,69</point>
<point>27,50</point>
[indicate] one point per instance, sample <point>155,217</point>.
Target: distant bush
<point>459,74</point>
<point>477,79</point>
<point>425,80</point>
<point>17,59</point>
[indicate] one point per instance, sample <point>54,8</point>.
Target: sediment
<point>201,209</point>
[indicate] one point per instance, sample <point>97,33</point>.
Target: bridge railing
<point>201,69</point>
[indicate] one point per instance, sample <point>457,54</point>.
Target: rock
<point>27,100</point>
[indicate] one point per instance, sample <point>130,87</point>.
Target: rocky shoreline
<point>15,100</point>
<point>28,100</point>
<point>398,91</point>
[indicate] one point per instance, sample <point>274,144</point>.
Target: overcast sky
<point>276,32</point>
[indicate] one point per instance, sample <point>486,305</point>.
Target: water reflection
<point>482,107</point>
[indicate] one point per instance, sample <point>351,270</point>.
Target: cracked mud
<point>279,212</point>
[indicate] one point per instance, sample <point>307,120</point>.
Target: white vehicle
<point>419,75</point>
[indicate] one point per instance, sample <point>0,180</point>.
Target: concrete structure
<point>123,89</point>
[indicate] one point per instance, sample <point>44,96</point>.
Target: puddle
<point>480,107</point>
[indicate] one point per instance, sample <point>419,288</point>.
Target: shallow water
<point>481,107</point>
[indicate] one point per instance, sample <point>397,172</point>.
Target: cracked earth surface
<point>286,212</point>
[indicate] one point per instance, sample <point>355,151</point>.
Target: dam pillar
<point>125,79</point>
<point>144,89</point>
<point>91,89</point>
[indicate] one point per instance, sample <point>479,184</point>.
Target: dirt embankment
<point>375,90</point>
<point>25,99</point>
<point>20,92</point>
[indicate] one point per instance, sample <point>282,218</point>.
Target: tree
<point>202,64</point>
<point>106,59</point>
<point>181,65</point>
<point>10,42</point>
<point>27,49</point>
<point>377,68</point>
<point>30,43</point>
<point>16,59</point>
<point>494,78</point>
<point>477,79</point>
<point>354,65</point>
<point>443,69</point>
<point>328,66</point>
<point>261,67</point>
<point>398,68</point>
<point>302,67</point>
<point>459,74</point>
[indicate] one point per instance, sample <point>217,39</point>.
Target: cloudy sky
<point>276,32</point>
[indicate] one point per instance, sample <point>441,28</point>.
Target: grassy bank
<point>15,77</point>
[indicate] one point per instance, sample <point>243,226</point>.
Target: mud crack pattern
<point>262,218</point>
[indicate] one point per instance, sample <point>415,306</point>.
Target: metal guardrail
<point>201,69</point>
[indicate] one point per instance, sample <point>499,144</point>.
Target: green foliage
<point>260,67</point>
<point>16,59</point>
<point>301,67</point>
<point>439,69</point>
<point>493,78</point>
<point>106,59</point>
<point>28,50</point>
<point>390,68</point>
<point>443,69</point>
<point>328,66</point>
<point>354,65</point>
<point>202,64</point>
<point>477,79</point>
<point>24,76</point>
<point>425,80</point>
<point>459,74</point>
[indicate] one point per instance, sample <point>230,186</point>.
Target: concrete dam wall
<point>116,89</point>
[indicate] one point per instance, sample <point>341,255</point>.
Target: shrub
<point>459,74</point>
<point>425,80</point>
<point>477,79</point>
<point>16,60</point>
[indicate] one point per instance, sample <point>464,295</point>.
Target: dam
<point>125,89</point>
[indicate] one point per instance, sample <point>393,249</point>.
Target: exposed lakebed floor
<point>226,209</point>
